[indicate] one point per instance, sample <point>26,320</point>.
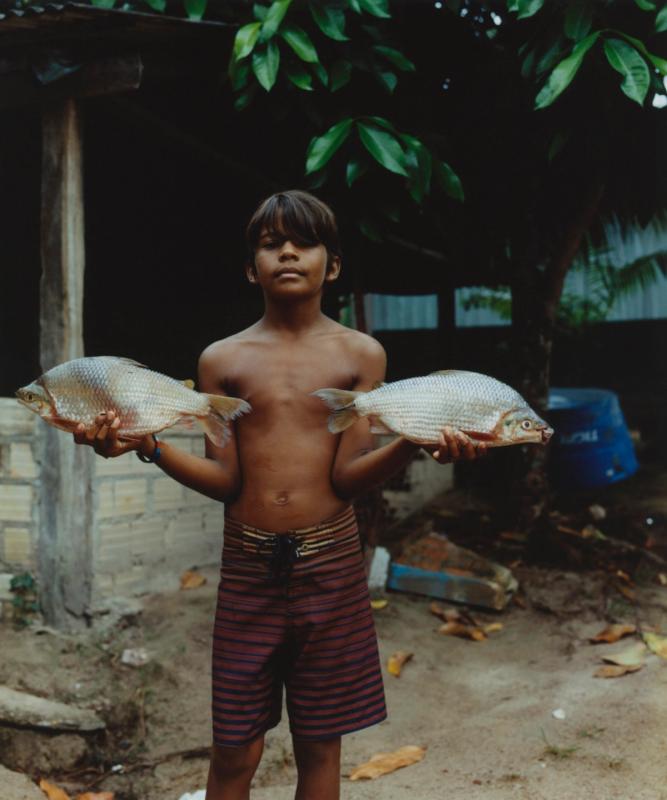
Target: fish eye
<point>526,425</point>
<point>29,396</point>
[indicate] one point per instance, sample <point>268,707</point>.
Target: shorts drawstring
<point>284,552</point>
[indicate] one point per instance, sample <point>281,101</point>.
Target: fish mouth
<point>546,434</point>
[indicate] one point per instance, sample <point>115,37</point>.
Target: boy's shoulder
<point>358,343</point>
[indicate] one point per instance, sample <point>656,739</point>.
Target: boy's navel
<point>282,498</point>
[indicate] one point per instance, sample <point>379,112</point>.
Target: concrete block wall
<point>19,477</point>
<point>147,529</point>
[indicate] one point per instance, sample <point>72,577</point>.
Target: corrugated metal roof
<point>72,20</point>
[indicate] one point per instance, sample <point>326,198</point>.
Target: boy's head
<point>296,216</point>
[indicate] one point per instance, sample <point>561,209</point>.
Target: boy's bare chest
<point>271,378</point>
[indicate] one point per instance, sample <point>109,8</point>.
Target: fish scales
<point>144,401</point>
<point>419,408</point>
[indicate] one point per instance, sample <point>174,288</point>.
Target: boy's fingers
<point>112,435</point>
<point>452,444</point>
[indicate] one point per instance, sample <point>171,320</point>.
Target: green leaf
<point>527,8</point>
<point>299,77</point>
<point>239,72</point>
<point>300,42</point>
<point>395,57</point>
<point>625,59</point>
<point>551,56</point>
<point>245,40</point>
<point>195,9</point>
<point>378,8</point>
<point>274,18</point>
<point>244,99</point>
<point>578,19</point>
<point>448,180</point>
<point>384,147</point>
<point>383,123</point>
<point>103,3</point>
<point>645,5</point>
<point>563,73</point>
<point>659,63</point>
<point>387,79</point>
<point>320,73</point>
<point>340,74</point>
<point>322,148</point>
<point>420,167</point>
<point>157,5</point>
<point>354,5</point>
<point>661,20</point>
<point>265,65</point>
<point>355,169</point>
<point>512,5</point>
<point>331,21</point>
<point>260,11</point>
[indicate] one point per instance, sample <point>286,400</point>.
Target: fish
<point>483,408</point>
<point>145,401</point>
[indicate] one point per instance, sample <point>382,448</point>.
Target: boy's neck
<point>299,315</point>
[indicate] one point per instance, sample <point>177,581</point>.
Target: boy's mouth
<point>288,271</point>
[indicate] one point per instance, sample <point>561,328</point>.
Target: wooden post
<point>65,503</point>
<point>446,338</point>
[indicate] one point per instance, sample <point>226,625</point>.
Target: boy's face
<point>291,268</point>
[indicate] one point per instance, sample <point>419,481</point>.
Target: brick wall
<point>147,528</point>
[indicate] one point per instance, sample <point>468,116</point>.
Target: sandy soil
<point>483,709</point>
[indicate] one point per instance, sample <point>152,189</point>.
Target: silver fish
<point>419,408</point>
<point>145,401</point>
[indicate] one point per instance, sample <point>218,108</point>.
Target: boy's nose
<point>288,250</point>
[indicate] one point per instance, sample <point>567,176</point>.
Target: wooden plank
<point>109,75</point>
<point>65,503</point>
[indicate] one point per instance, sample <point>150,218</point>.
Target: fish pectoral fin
<point>129,361</point>
<point>379,427</point>
<point>480,436</point>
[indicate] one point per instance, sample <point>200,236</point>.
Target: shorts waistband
<point>282,550</point>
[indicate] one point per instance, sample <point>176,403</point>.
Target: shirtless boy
<point>293,605</point>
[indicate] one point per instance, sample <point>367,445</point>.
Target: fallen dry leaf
<point>384,763</point>
<point>464,631</point>
<point>519,600</point>
<point>492,627</point>
<point>397,661</point>
<point>612,633</point>
<point>657,644</point>
<point>192,580</point>
<point>626,592</point>
<point>662,578</point>
<point>53,792</point>
<point>452,614</point>
<point>624,576</point>
<point>631,656</point>
<point>616,670</point>
<point>95,796</point>
<point>377,605</point>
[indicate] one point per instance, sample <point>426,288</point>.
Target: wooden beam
<point>65,503</point>
<point>108,75</point>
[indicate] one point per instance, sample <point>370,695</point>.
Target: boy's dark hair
<point>298,215</point>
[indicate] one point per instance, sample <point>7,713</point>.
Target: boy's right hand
<point>102,436</point>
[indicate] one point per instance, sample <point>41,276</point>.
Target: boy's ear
<point>251,271</point>
<point>333,269</point>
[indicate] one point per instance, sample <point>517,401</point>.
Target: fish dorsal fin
<point>451,372</point>
<point>189,383</point>
<point>129,361</point>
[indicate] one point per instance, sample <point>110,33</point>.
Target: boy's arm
<point>217,475</point>
<point>358,467</point>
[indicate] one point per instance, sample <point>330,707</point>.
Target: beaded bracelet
<point>152,459</point>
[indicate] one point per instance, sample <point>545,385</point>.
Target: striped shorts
<point>293,610</point>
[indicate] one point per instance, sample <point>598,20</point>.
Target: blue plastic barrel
<point>591,446</point>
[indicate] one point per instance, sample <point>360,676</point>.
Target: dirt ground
<point>484,710</point>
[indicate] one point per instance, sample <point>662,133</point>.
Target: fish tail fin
<point>222,410</point>
<point>341,402</point>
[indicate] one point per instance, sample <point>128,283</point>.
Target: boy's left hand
<point>454,446</point>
